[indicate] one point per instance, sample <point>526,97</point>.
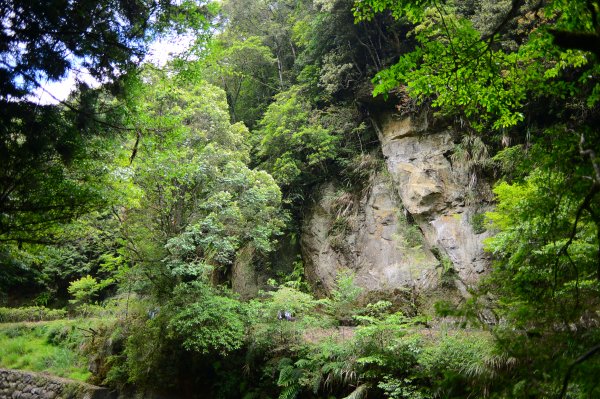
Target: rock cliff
<point>405,228</point>
<point>374,240</point>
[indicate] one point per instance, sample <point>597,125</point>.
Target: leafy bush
<point>344,297</point>
<point>402,388</point>
<point>410,235</point>
<point>460,365</point>
<point>204,320</point>
<point>84,289</point>
<point>324,369</point>
<point>268,331</point>
<point>59,334</point>
<point>478,223</point>
<point>30,313</point>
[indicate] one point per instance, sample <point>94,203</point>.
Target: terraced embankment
<point>17,384</point>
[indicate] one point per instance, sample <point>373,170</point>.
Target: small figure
<point>152,313</point>
<point>285,315</point>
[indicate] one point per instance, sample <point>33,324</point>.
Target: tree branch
<point>579,360</point>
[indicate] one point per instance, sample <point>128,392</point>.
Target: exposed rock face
<point>251,273</point>
<point>372,242</point>
<point>243,274</point>
<point>377,242</point>
<point>433,192</point>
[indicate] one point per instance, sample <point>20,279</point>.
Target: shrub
<point>344,297</point>
<point>205,321</point>
<point>479,223</point>
<point>30,313</point>
<point>268,331</point>
<point>460,364</point>
<point>84,289</point>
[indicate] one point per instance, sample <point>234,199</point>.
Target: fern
<point>288,376</point>
<point>290,392</point>
<point>316,382</point>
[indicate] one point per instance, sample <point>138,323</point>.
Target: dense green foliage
<point>46,40</point>
<point>153,201</point>
<point>196,201</point>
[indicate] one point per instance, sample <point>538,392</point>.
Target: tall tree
<point>199,203</point>
<point>45,177</point>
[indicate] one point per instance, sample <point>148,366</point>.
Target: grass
<point>45,346</point>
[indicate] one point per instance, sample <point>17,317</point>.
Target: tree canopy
<point>45,40</point>
<point>48,173</point>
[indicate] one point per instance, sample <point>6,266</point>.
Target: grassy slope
<point>44,346</point>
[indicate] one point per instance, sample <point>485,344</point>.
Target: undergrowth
<point>45,346</point>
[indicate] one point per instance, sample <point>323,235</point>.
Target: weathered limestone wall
<point>412,222</point>
<point>374,242</point>
<point>243,274</point>
<point>16,384</point>
<point>434,191</point>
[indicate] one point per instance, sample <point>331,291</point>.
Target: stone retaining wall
<point>17,384</point>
